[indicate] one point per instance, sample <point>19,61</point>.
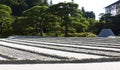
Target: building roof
<point>113,4</point>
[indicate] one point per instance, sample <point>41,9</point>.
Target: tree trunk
<point>66,26</point>
<point>66,30</point>
<point>1,28</point>
<point>41,29</point>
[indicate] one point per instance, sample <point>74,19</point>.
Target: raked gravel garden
<point>44,50</point>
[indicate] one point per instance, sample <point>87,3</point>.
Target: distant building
<point>113,8</point>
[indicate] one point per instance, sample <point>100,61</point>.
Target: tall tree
<point>5,16</point>
<point>32,3</point>
<point>115,23</point>
<point>88,14</point>
<point>37,13</point>
<point>18,6</point>
<point>83,11</point>
<point>109,21</point>
<point>65,11</point>
<point>24,25</point>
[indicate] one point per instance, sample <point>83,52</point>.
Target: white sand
<point>87,66</point>
<point>91,47</point>
<point>53,52</point>
<point>1,58</point>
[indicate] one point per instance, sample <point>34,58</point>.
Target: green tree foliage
<point>90,17</point>
<point>92,25</point>
<point>109,21</point>
<point>65,11</point>
<point>32,3</point>
<point>23,26</point>
<point>52,25</point>
<point>88,14</point>
<point>37,14</point>
<point>18,6</point>
<point>115,23</point>
<point>105,17</point>
<point>5,17</point>
<point>42,20</point>
<point>105,20</point>
<point>80,23</point>
<point>37,17</point>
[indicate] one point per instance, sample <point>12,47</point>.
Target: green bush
<point>53,34</point>
<point>83,34</point>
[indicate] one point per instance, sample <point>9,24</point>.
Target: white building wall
<point>111,9</point>
<point>118,9</point>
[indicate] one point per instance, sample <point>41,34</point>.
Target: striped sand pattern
<point>60,49</point>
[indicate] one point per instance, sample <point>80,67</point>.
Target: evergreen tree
<point>5,18</point>
<point>83,11</point>
<point>18,6</point>
<point>65,11</point>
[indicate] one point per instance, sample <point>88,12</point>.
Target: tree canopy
<point>39,17</point>
<point>18,6</point>
<point>5,17</point>
<point>38,14</point>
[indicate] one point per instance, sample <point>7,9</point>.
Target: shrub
<point>53,34</point>
<point>83,34</point>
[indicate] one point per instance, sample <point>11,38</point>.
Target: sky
<point>97,6</point>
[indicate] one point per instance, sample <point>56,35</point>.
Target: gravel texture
<point>94,48</point>
<point>23,55</point>
<point>103,51</point>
